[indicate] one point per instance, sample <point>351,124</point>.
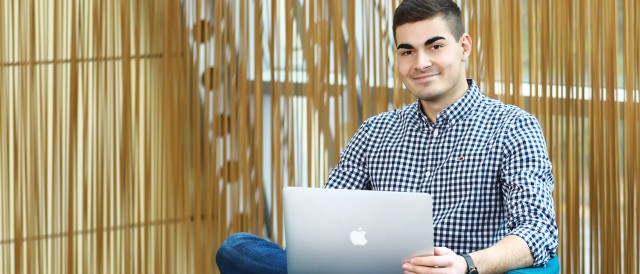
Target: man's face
<point>431,61</point>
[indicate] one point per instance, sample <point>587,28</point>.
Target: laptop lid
<point>355,231</point>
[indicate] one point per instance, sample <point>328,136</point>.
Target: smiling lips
<point>424,77</point>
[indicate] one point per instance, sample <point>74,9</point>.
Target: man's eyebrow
<point>426,43</point>
<point>433,40</point>
<point>404,46</point>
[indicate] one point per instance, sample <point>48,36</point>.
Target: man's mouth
<point>424,77</point>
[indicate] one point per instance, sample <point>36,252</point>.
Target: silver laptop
<point>355,231</point>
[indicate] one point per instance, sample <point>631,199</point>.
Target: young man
<point>484,163</point>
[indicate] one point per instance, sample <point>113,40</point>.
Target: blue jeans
<point>248,253</point>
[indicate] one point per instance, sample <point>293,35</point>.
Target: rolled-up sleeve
<point>527,187</point>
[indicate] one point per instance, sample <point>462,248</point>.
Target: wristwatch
<point>471,267</point>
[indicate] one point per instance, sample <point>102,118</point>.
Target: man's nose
<point>423,60</point>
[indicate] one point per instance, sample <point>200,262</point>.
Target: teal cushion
<point>553,266</point>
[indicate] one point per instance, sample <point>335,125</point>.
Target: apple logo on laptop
<point>358,237</point>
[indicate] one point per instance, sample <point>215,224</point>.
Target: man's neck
<point>431,108</point>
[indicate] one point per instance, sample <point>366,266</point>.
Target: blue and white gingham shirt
<point>484,163</point>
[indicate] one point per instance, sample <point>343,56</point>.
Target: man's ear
<point>465,43</point>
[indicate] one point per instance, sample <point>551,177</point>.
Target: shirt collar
<point>453,113</point>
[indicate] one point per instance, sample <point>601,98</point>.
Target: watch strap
<point>471,267</point>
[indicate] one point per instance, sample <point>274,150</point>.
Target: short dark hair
<point>410,11</point>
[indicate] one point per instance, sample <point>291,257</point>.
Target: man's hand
<point>443,261</point>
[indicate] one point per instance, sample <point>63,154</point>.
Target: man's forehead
<point>418,33</point>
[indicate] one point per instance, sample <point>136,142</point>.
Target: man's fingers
<point>439,251</point>
<point>412,268</point>
<point>431,261</point>
<point>441,262</point>
<point>417,269</point>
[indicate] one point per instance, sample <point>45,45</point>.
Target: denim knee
<point>248,253</point>
<point>232,247</point>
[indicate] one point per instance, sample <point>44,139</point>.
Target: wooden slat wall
<point>133,134</point>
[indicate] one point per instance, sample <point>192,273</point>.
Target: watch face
<point>473,271</point>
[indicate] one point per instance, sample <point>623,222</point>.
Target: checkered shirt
<point>484,163</point>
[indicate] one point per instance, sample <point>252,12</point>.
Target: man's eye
<point>436,47</point>
<point>406,53</point>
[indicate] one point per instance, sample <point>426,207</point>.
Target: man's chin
<point>426,92</point>
<point>430,95</point>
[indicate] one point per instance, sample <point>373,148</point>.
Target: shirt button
<point>435,133</point>
<point>427,173</point>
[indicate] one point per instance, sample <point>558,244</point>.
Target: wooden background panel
<point>135,136</point>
